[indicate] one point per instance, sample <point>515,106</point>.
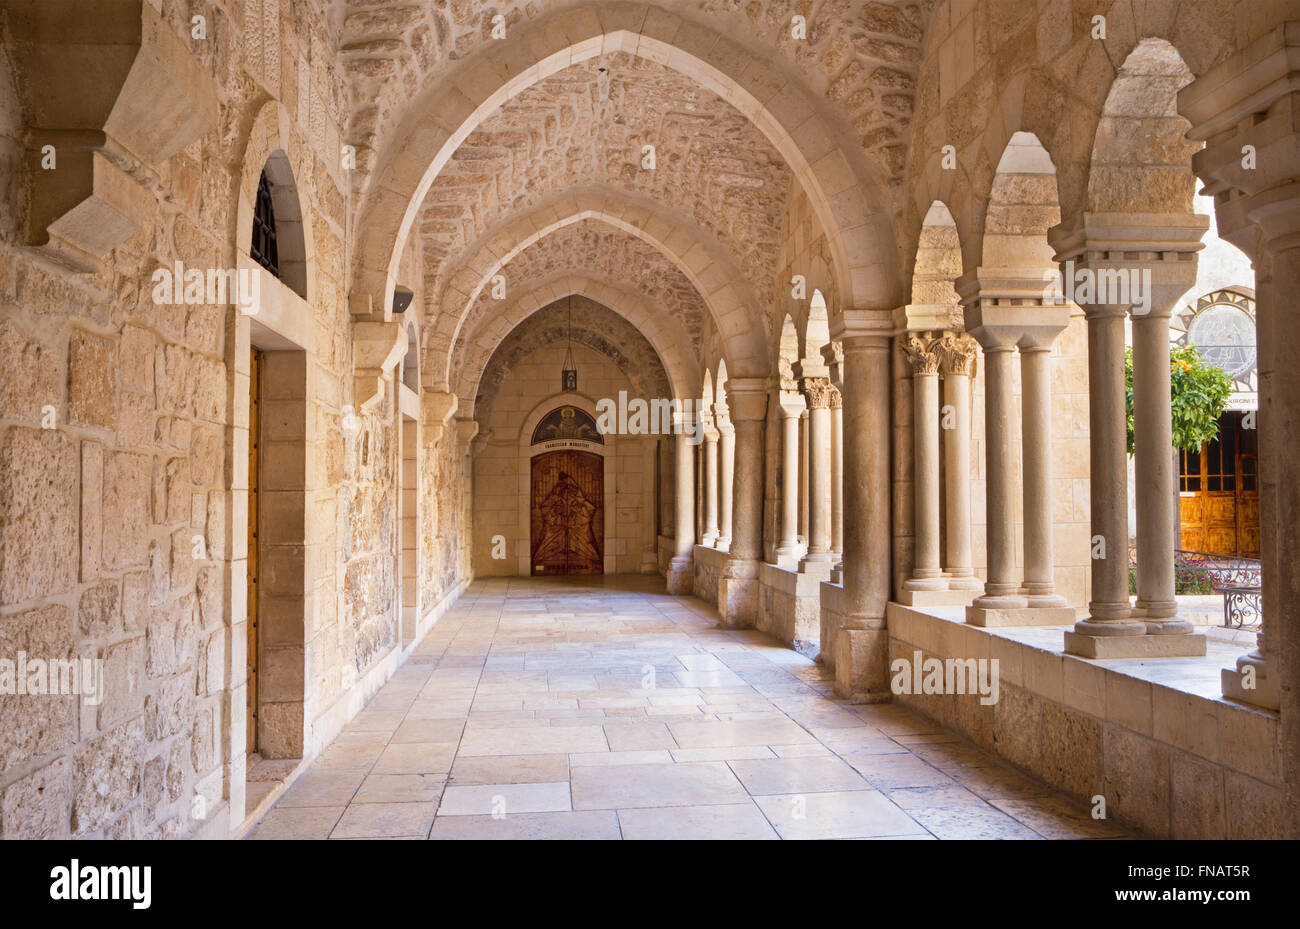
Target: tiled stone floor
<point>602,708</point>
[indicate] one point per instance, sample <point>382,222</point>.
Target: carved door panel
<point>568,513</point>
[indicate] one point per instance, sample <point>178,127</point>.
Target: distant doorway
<point>1218,504</point>
<point>568,513</point>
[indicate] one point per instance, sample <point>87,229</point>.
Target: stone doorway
<point>568,513</point>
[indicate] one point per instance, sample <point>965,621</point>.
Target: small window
<point>265,250</point>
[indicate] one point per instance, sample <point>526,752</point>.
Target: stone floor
<point>601,708</point>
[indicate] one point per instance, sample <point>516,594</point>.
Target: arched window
<point>265,250</point>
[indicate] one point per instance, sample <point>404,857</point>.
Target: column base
<point>1134,646</point>
<point>935,582</point>
<point>681,577</point>
<point>964,582</point>
<point>909,597</point>
<point>738,595</point>
<point>1027,616</point>
<point>861,665</point>
<point>1266,692</point>
<point>709,539</point>
<point>1000,602</point>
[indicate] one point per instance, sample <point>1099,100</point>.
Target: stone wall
<point>123,442</point>
<point>502,469</point>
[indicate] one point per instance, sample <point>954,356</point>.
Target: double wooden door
<point>568,513</point>
<point>1218,504</point>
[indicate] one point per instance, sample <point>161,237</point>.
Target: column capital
<point>958,354</point>
<point>1145,261</point>
<point>1006,307</point>
<point>747,398</point>
<point>819,391</point>
<point>922,351</point>
<point>791,403</point>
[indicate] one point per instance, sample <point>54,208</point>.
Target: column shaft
<point>726,478</point>
<point>837,478</point>
<point>1036,417</point>
<point>956,395</point>
<point>710,535</point>
<point>1154,470</point>
<point>819,473</point>
<point>787,547</point>
<point>1108,610</point>
<point>1001,591</point>
<point>926,571</point>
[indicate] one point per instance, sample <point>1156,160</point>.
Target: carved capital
<point>958,354</point>
<point>818,390</point>
<point>922,352</point>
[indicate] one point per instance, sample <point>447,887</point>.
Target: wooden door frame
<point>599,464</point>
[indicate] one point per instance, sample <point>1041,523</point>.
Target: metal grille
<point>264,249</point>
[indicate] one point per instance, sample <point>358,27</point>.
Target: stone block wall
<point>502,471</point>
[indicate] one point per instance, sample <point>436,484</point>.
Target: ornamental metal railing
<point>1235,578</point>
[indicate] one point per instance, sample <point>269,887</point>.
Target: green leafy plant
<point>1198,391</point>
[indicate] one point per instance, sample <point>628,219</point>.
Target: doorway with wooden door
<point>568,513</point>
<point>1218,504</point>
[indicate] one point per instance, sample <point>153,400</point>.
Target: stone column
<point>787,547</point>
<point>1251,99</point>
<point>738,587</point>
<point>1006,308</point>
<point>817,561</point>
<point>726,476</point>
<point>958,352</point>
<point>1039,494</point>
<point>709,537</point>
<point>834,357</point>
<point>681,571</point>
<point>861,642</point>
<point>927,575</point>
<point>1112,262</point>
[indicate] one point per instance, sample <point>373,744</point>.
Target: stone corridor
<point>602,708</point>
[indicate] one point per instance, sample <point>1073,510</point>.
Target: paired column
<point>681,571</point>
<point>1005,310</point>
<point>791,404</point>
<point>738,587</point>
<point>1115,264</point>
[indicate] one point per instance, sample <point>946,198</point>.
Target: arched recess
<point>704,262</point>
<point>272,148</point>
<point>598,328</point>
<point>1022,205</point>
<point>938,261</point>
<point>675,353</point>
<point>845,197</point>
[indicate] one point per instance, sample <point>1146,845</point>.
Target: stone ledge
<point>1171,756</point>
<point>1191,645</point>
<point>1044,616</point>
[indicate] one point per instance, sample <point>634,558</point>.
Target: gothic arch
<point>676,356</point>
<point>700,258</point>
<point>853,215</point>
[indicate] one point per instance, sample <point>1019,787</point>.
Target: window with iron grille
<point>264,250</point>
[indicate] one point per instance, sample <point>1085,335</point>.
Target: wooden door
<point>568,513</point>
<point>254,482</point>
<point>1219,493</point>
